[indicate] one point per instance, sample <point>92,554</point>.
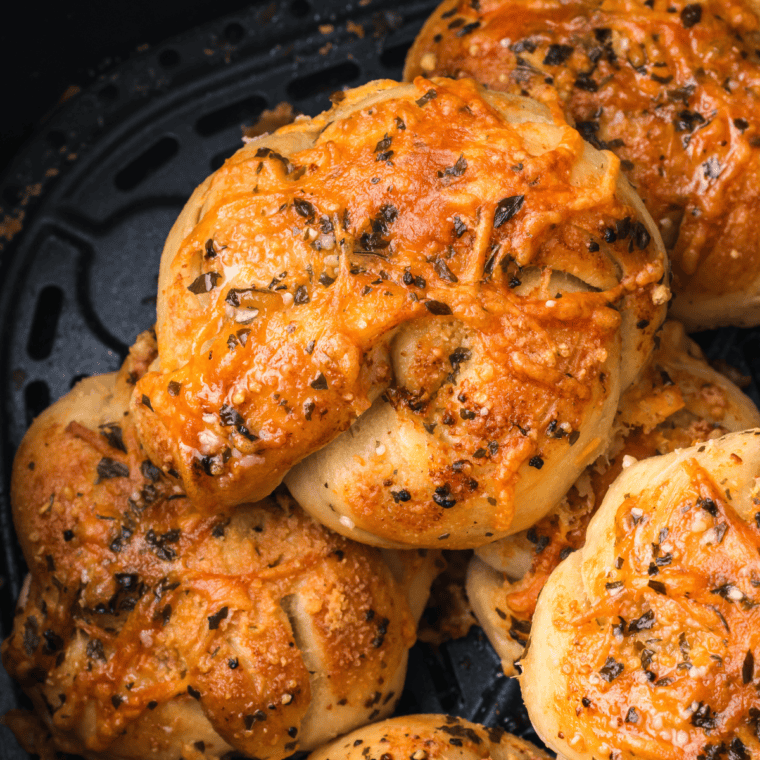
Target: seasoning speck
<point>691,15</point>
<point>204,283</point>
<point>506,208</point>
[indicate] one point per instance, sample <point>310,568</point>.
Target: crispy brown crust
<point>261,631</point>
<point>419,226</point>
<point>671,87</point>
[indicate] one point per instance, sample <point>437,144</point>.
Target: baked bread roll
<point>644,642</point>
<point>429,737</point>
<point>678,402</point>
<point>670,87</point>
<point>148,629</point>
<point>495,408</point>
<point>452,254</point>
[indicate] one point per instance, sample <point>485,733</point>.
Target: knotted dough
<point>149,629</point>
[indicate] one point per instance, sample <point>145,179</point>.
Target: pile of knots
<point>432,317</point>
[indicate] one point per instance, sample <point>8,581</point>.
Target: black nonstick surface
<point>87,201</point>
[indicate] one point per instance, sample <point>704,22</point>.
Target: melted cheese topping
<point>663,662</point>
<point>678,401</point>
<point>650,411</point>
<point>283,298</point>
<point>140,607</point>
<point>672,87</point>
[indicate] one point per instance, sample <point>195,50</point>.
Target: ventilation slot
<point>36,399</point>
<point>234,33</point>
<point>109,93</point>
<point>327,80</point>
<point>169,58</point>
<point>12,195</point>
<point>146,164</point>
<point>234,115</point>
<point>56,138</point>
<point>443,685</point>
<point>300,8</point>
<point>47,312</point>
<point>220,158</point>
<point>394,56</point>
<point>489,712</point>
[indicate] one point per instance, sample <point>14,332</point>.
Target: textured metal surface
<point>95,193</point>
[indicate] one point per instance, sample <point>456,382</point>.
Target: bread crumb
<point>270,120</point>
<point>428,62</point>
<point>356,29</point>
<point>660,295</point>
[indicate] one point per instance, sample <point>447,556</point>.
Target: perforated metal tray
<point>93,195</point>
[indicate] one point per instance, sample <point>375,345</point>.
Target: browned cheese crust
<point>678,402</point>
<point>453,212</point>
<point>149,629</point>
<point>645,642</point>
<point>485,275</point>
<point>429,737</point>
<point>673,88</point>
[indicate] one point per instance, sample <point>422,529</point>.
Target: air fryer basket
<point>87,204</point>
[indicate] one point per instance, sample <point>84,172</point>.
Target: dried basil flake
<point>214,620</point>
<point>109,468</point>
<point>506,208</point>
<point>204,283</point>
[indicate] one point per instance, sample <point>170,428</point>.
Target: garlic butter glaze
<point>429,737</point>
<point>671,87</point>
<point>645,642</point>
<point>455,256</point>
<point>679,401</point>
<point>148,629</point>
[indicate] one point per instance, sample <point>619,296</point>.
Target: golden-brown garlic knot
<point>672,87</point>
<point>644,642</point>
<point>458,249</point>
<point>148,628</point>
<point>429,737</point>
<point>679,401</point>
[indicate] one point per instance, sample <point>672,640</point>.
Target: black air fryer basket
<point>87,201</point>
